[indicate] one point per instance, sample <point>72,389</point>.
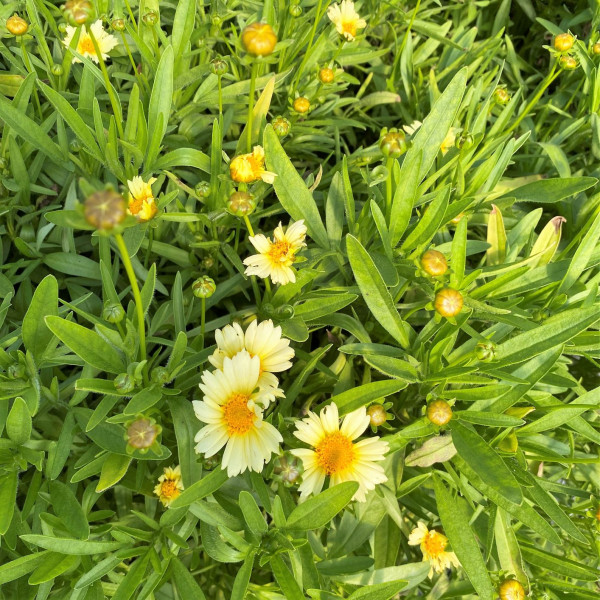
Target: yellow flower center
<point>335,453</point>
<point>434,543</point>
<point>349,27</point>
<point>279,252</point>
<point>238,418</point>
<point>169,489</point>
<point>86,46</point>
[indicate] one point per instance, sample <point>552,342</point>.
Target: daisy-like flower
<point>260,339</point>
<point>85,46</point>
<point>433,546</point>
<point>247,168</point>
<point>142,204</point>
<point>169,485</point>
<point>233,415</point>
<point>346,20</point>
<point>275,258</point>
<point>336,455</point>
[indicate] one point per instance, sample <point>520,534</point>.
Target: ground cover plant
<point>299,300</point>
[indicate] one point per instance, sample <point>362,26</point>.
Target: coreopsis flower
<point>232,411</point>
<point>142,204</point>
<point>336,454</point>
<point>247,168</point>
<point>85,46</point>
<point>169,485</point>
<point>449,140</point>
<point>326,75</point>
<point>275,258</point>
<point>346,20</point>
<point>433,546</point>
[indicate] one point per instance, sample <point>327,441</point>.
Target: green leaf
<point>113,470</point>
<point>36,336</point>
<point>365,394</point>
<point>206,486</point>
<point>558,564</point>
<point>508,548</point>
<point>429,222</point>
<point>15,569</point>
<point>549,191</point>
<point>436,449</point>
<point>496,238</point>
<point>242,578</point>
<point>8,495</point>
<point>184,581</point>
<point>97,571</point>
<point>68,509</point>
<point>252,515</point>
<point>52,567</point>
<point>379,591</point>
<point>183,26</point>
<point>143,400</point>
<point>18,422</point>
<point>405,195</point>
<point>287,582</point>
<point>70,546</point>
<point>318,510</point>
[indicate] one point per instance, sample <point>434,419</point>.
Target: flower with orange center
<point>232,411</point>
<point>448,302</point>
<point>346,20</point>
<point>85,46</point>
<point>433,546</point>
<point>142,204</point>
<point>169,485</point>
<point>336,454</point>
<point>275,258</point>
<point>247,168</point>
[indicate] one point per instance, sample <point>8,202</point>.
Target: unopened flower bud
<point>563,42</point>
<point>287,469</point>
<point>485,351</point>
<point>56,70</point>
<point>301,105</point>
<point>568,63</point>
<point>285,312</point>
<point>241,204</point>
<point>511,589</point>
<point>202,189</point>
<point>377,415</point>
<point>219,67</point>
<point>547,243</point>
<point>281,126</point>
<point>142,433</point>
<point>16,25</point>
<point>78,12</point>
<point>204,287</point>
<point>15,371</point>
<point>105,209</point>
<point>393,143</point>
<point>596,48</point>
<point>259,39</point>
<point>208,262</point>
<point>439,412</point>
<point>434,263</point>
<point>448,302</point>
<point>150,19</point>
<point>113,312</point>
<point>118,24</point>
<point>326,75</point>
<point>501,96</point>
<point>160,375</point>
<point>464,141</point>
<point>124,383</point>
<point>295,10</point>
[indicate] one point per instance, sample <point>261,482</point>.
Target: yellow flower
<point>232,411</point>
<point>16,25</point>
<point>247,168</point>
<point>169,485</point>
<point>335,453</point>
<point>85,47</point>
<point>141,199</point>
<point>275,258</point>
<point>433,546</point>
<point>345,18</point>
<point>449,140</point>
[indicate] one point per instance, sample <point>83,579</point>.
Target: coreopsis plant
<point>299,300</point>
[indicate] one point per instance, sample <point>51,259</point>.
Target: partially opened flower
<point>232,411</point>
<point>169,485</point>
<point>433,546</point>
<point>336,454</point>
<point>346,20</point>
<point>275,258</point>
<point>106,42</point>
<point>247,168</point>
<point>449,140</point>
<point>142,204</point>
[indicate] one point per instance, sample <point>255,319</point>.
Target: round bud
<point>118,25</point>
<point>285,311</point>
<point>16,25</point>
<point>377,415</point>
<point>204,287</point>
<point>3,163</point>
<point>511,589</point>
<point>259,39</point>
<point>596,48</point>
<point>218,67</point>
<point>150,19</point>
<point>434,263</point>
<point>281,126</point>
<point>215,20</point>
<point>113,312</point>
<point>393,143</point>
<point>287,469</point>
<point>15,371</point>
<point>124,383</point>
<point>568,63</point>
<point>464,141</point>
<point>142,433</point>
<point>77,12</point>
<point>160,375</point>
<point>208,262</point>
<point>301,105</point>
<point>241,204</point>
<point>501,96</point>
<point>295,10</point>
<point>62,27</point>
<point>485,351</point>
<point>448,302</point>
<point>326,75</point>
<point>105,209</point>
<point>202,189</point>
<point>439,412</point>
<point>56,70</point>
<point>563,42</point>
<point>74,146</point>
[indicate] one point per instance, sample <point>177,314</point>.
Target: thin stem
<point>30,70</point>
<point>251,107</point>
<point>248,225</point>
<point>220,87</point>
<point>388,186</point>
<point>310,43</point>
<point>135,290</point>
<point>203,321</point>
<point>139,76</point>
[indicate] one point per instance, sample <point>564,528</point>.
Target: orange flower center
<point>238,418</point>
<point>169,489</point>
<point>335,453</point>
<point>86,46</point>
<point>434,543</point>
<point>349,27</point>
<point>280,252</point>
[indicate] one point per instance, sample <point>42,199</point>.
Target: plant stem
<point>203,321</point>
<point>388,187</point>
<point>135,290</point>
<point>30,70</point>
<point>220,88</point>
<point>310,43</point>
<point>251,107</point>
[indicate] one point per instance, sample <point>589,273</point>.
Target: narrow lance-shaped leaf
<point>496,238</point>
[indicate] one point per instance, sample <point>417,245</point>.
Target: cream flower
<point>85,46</point>
<point>412,128</point>
<point>335,453</point>
<point>142,204</point>
<point>169,485</point>
<point>433,546</point>
<point>345,18</point>
<point>260,339</point>
<point>247,168</point>
<point>275,258</point>
<point>233,415</point>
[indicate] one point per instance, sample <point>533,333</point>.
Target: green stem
<point>310,43</point>
<point>203,321</point>
<point>388,187</point>
<point>251,107</point>
<point>220,88</point>
<point>141,79</point>
<point>30,70</point>
<point>135,290</point>
<point>131,16</point>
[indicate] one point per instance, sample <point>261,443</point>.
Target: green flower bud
<point>208,262</point>
<point>464,141</point>
<point>285,311</point>
<point>218,67</point>
<point>295,10</point>
<point>118,25</point>
<point>56,70</point>
<point>150,19</point>
<point>202,189</point>
<point>392,143</point>
<point>105,209</point>
<point>15,371</point>
<point>501,96</point>
<point>287,469</point>
<point>281,126</point>
<point>77,12</point>
<point>113,313</point>
<point>568,63</point>
<point>17,25</point>
<point>124,383</point>
<point>439,412</point>
<point>160,375</point>
<point>485,351</point>
<point>204,287</point>
<point>377,415</point>
<point>241,204</point>
<point>216,20</point>
<point>563,42</point>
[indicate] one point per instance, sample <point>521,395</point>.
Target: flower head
<point>259,39</point>
<point>85,46</point>
<point>17,25</point>
<point>439,412</point>
<point>301,105</point>
<point>511,589</point>
<point>563,42</point>
<point>448,302</point>
<point>142,204</point>
<point>142,433</point>
<point>247,168</point>
<point>233,415</point>
<point>433,546</point>
<point>169,485</point>
<point>336,455</point>
<point>346,20</point>
<point>275,258</point>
